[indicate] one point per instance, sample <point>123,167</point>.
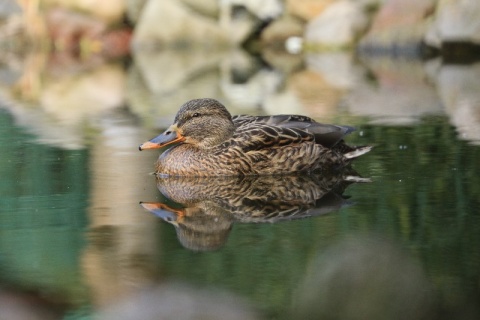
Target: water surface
<point>74,234</point>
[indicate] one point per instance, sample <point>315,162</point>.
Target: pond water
<point>75,240</point>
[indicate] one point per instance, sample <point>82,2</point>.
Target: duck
<point>206,140</point>
<point>204,210</point>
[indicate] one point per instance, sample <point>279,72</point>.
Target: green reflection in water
<point>43,201</point>
<point>424,197</point>
<point>426,194</point>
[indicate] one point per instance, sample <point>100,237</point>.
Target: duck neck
<point>217,135</point>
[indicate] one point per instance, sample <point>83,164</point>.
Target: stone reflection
<point>121,254</point>
<point>398,94</point>
<point>173,300</point>
<point>58,98</point>
<point>203,210</point>
<point>365,277</point>
<point>459,92</point>
<point>58,101</point>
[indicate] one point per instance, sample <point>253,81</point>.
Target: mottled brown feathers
<point>214,143</point>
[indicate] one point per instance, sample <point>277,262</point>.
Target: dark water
<point>404,246</point>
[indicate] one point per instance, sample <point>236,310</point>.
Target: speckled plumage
<point>204,209</point>
<point>213,143</point>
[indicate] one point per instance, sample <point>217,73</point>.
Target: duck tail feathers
<point>357,152</point>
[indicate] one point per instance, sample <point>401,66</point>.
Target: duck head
<point>201,122</point>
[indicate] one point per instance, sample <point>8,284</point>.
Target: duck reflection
<point>203,210</point>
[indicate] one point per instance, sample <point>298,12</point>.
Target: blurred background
<point>83,83</point>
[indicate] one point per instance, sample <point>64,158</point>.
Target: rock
<point>9,7</point>
<point>116,43</point>
<point>134,9</point>
<point>242,18</point>
<point>339,25</point>
<point>208,8</point>
<point>69,31</point>
<point>172,23</point>
<point>109,11</point>
<point>399,26</point>
<point>263,10</point>
<point>307,9</point>
<point>206,23</point>
<point>455,21</point>
<point>237,23</point>
<point>279,31</point>
<point>82,35</point>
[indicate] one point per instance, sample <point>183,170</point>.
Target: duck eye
<point>196,114</point>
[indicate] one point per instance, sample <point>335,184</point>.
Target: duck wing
<point>328,135</point>
<point>258,136</point>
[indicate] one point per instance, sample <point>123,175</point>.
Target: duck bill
<point>164,212</point>
<point>170,136</point>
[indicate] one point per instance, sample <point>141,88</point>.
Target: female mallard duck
<point>208,141</point>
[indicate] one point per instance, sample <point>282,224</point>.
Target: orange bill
<point>163,211</point>
<point>170,136</point>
